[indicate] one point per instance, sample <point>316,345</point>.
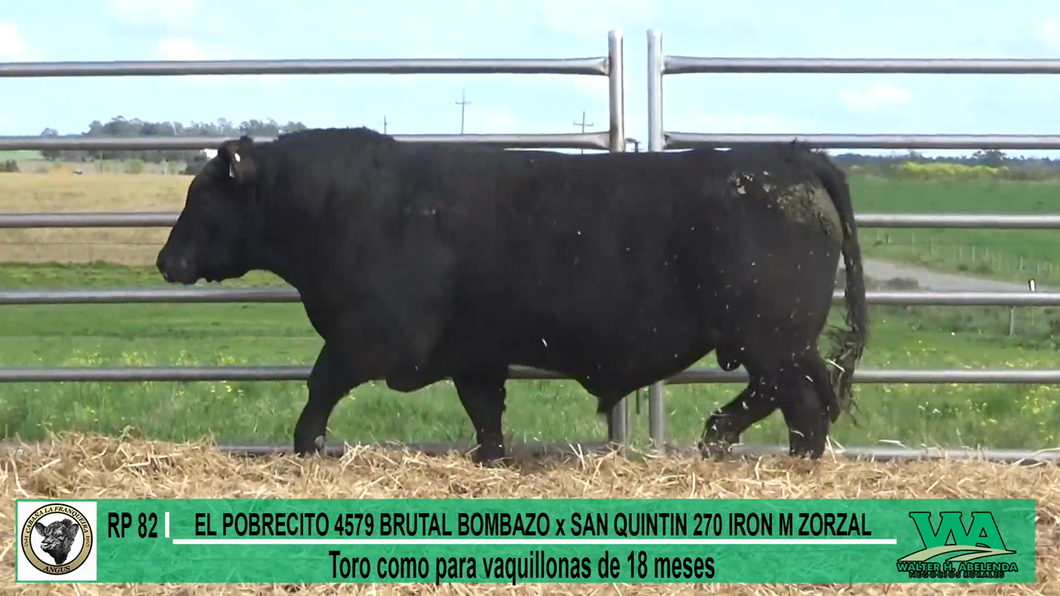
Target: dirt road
<point>941,282</point>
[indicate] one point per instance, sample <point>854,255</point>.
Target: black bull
<point>420,262</point>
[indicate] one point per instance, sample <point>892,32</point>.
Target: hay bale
<point>81,466</point>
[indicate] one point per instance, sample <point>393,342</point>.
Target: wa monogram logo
<point>954,550</point>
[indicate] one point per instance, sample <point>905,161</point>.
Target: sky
<point>63,30</point>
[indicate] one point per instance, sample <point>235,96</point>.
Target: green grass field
<point>111,335</point>
<point>19,155</point>
<point>996,254</point>
<point>919,337</point>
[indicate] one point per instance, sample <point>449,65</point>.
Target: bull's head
<point>58,538</point>
<point>212,235</point>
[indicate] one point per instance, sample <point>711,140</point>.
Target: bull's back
<point>568,230</point>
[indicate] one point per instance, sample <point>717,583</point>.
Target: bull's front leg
<point>482,393</point>
<point>333,376</point>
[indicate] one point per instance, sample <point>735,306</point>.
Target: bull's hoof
<point>714,443</point>
<point>806,452</point>
<point>306,447</point>
<point>803,448</point>
<point>714,448</point>
<point>490,456</point>
<point>496,463</point>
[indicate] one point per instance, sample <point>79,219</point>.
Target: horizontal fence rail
<point>202,295</point>
<point>690,376</point>
<point>166,219</point>
<point>178,68</point>
<point>588,140</point>
<point>886,454</point>
<point>976,66</point>
<point>688,140</point>
<point>614,139</point>
<point>659,139</point>
<point>520,449</point>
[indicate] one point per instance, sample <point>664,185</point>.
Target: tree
<point>50,154</point>
<point>121,127</point>
<point>991,158</point>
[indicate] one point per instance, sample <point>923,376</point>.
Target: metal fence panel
<point>614,139</point>
<point>611,66</point>
<point>659,139</point>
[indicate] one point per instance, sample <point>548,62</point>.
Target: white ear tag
<point>232,168</point>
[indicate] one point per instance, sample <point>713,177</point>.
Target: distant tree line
<point>121,128</point>
<point>990,163</point>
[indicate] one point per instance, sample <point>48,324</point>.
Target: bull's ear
<point>72,527</point>
<point>39,527</point>
<point>239,156</point>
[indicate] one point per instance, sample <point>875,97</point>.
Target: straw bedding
<point>78,466</point>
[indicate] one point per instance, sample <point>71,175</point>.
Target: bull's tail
<point>848,345</point>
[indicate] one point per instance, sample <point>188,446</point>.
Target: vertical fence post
<point>656,394</point>
<point>655,90</point>
<point>618,421</point>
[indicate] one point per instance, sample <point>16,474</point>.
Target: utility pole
<point>463,102</point>
<point>385,123</point>
<point>583,124</point>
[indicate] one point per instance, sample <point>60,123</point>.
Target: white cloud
<point>180,48</point>
<point>878,96</point>
<point>152,12</point>
<point>12,46</point>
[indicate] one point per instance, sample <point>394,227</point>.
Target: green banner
<point>518,541</point>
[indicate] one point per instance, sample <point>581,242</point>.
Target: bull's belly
<point>612,365</point>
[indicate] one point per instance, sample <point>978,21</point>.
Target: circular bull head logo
<point>56,539</point>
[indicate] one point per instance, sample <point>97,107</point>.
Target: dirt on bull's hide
<point>801,202</point>
<point>811,205</point>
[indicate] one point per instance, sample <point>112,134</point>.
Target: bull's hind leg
<point>798,385</point>
<point>724,427</point>
<point>482,393</point>
<point>805,398</point>
<point>793,380</point>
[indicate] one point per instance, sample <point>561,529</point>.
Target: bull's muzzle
<point>175,269</point>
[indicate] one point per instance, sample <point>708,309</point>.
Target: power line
<point>583,124</point>
<point>463,102</point>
